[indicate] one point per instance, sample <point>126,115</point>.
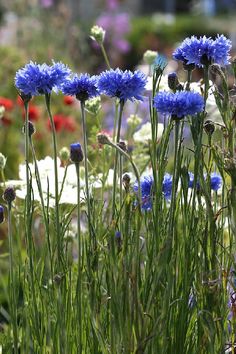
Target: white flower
<point>145,132</point>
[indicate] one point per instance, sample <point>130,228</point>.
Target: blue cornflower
<point>216,181</point>
<point>81,86</point>
<point>76,153</point>
<point>124,85</point>
<point>146,184</point>
<point>167,185</point>
<point>204,50</point>
<point>38,79</point>
<point>191,181</point>
<point>1,214</point>
<point>178,104</point>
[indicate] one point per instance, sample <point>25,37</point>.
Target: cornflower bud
<point>93,105</point>
<point>97,33</point>
<point>9,195</point>
<point>64,154</point>
<point>134,120</point>
<point>126,181</point>
<point>209,127</point>
<point>173,81</point>
<point>103,139</point>
<point>122,145</point>
<point>149,56</point>
<point>31,128</point>
<point>76,153</point>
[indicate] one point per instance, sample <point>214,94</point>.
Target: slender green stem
<point>116,160</point>
<point>189,78</point>
<point>12,290</point>
<point>105,56</point>
<point>45,216</point>
<point>57,212</point>
<point>121,189</point>
<point>175,178</point>
<point>79,280</point>
<point>90,227</point>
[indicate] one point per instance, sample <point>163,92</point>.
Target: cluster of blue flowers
<point>123,85</point>
<point>38,79</point>
<point>179,104</point>
<point>146,185</point>
<point>215,181</point>
<point>204,51</point>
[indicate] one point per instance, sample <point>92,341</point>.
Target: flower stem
<point>45,216</point>
<point>13,305</point>
<point>105,56</point>
<point>79,280</point>
<point>116,159</point>
<point>91,234</point>
<point>57,213</point>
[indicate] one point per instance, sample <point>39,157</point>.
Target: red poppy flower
<point>62,122</point>
<point>68,100</point>
<point>34,113</point>
<point>69,124</point>
<point>58,122</point>
<point>6,121</point>
<point>6,103</point>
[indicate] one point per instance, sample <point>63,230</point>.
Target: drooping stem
<point>57,213</point>
<point>116,159</point>
<point>79,280</point>
<point>13,305</point>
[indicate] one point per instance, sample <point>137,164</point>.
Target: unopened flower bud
<point>134,120</point>
<point>1,214</point>
<point>122,145</point>
<point>209,127</point>
<point>103,139</point>
<point>126,181</point>
<point>93,105</point>
<point>9,195</point>
<point>2,111</point>
<point>31,128</point>
<point>76,153</point>
<point>173,81</point>
<point>2,161</point>
<point>64,154</point>
<point>97,33</point>
<point>149,56</point>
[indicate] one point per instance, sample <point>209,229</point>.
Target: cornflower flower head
<point>39,79</point>
<point>204,51</point>
<point>191,181</point>
<point>167,185</point>
<point>82,86</point>
<point>125,85</point>
<point>179,104</point>
<point>146,184</point>
<point>216,181</point>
